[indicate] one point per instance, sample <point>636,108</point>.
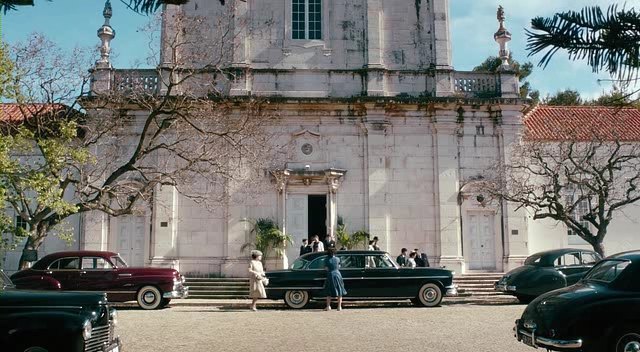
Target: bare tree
<point>173,125</point>
<point>579,174</point>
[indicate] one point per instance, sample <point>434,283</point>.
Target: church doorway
<point>317,215</point>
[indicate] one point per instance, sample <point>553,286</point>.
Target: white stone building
<point>383,133</point>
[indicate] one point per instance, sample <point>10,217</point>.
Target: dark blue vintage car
<point>41,321</point>
<point>547,271</point>
<point>599,313</point>
<point>368,275</point>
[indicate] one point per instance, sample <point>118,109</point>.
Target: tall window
<point>581,209</point>
<point>306,19</point>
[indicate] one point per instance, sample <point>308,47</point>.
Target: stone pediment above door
<point>306,148</point>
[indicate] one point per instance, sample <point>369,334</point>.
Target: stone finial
<point>502,37</point>
<point>106,33</point>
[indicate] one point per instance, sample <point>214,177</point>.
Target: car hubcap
<point>296,297</point>
<point>149,297</point>
<point>35,349</point>
<point>633,346</point>
<point>430,295</point>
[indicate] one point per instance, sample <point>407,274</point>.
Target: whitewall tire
<point>296,299</point>
<point>149,297</point>
<point>430,295</point>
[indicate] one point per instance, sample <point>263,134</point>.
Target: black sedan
<point>367,275</point>
<point>45,321</point>
<point>599,313</point>
<point>547,271</point>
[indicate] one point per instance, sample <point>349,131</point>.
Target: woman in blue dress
<point>333,285</point>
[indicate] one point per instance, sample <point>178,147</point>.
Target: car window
<point>351,261</point>
<point>589,258</point>
<point>378,261</point>
<point>298,264</point>
<point>95,263</point>
<point>318,263</point>
<point>66,264</point>
<point>568,259</point>
<point>119,262</point>
<point>607,270</point>
<point>533,260</point>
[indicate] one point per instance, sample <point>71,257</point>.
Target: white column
<point>164,245</point>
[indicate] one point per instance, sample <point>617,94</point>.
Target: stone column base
<point>456,264</point>
<point>161,262</point>
<point>276,263</point>
<point>235,267</point>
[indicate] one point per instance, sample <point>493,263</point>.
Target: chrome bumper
<point>538,341</point>
<point>451,291</point>
<point>178,292</point>
<point>504,288</point>
<point>116,346</point>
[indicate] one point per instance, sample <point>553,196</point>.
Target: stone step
<point>216,296</point>
<point>218,287</point>
<point>215,279</point>
<point>216,284</point>
<point>219,292</point>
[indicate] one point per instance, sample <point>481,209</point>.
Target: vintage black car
<point>547,271</point>
<point>367,275</point>
<point>40,321</point>
<point>599,313</point>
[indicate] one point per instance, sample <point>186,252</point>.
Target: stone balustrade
<point>142,80</point>
<point>480,84</point>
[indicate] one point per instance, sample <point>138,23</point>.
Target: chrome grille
<point>100,337</point>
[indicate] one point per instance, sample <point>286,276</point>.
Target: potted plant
<point>268,239</point>
<point>350,241</point>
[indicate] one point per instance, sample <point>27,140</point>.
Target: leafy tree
<point>609,40</point>
<point>267,238</point>
<point>56,161</point>
<point>140,6</point>
<point>567,97</point>
<point>493,64</point>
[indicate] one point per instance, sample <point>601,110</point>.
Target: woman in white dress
<point>256,279</point>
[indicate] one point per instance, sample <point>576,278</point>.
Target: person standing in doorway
<point>305,248</point>
<point>419,262</point>
<point>317,246</point>
<point>425,260</point>
<point>402,258</point>
<point>333,285</point>
<point>375,243</point>
<point>330,242</point>
<point>256,279</point>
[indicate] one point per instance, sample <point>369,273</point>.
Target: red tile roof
<point>556,123</point>
<point>17,113</point>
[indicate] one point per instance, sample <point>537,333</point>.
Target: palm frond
<point>608,40</point>
<point>150,6</point>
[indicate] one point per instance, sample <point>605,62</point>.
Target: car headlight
<point>86,330</point>
<point>113,316</point>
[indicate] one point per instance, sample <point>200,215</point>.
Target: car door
<point>67,271</point>
<point>352,271</point>
<point>96,274</point>
<point>570,265</point>
<point>381,277</point>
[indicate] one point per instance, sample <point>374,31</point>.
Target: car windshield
<point>118,262</point>
<point>533,260</point>
<point>298,264</point>
<point>5,281</point>
<point>607,270</point>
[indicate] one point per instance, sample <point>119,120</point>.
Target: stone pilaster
<point>378,175</point>
<point>448,210</point>
<point>164,237</point>
<point>95,231</point>
<point>441,35</point>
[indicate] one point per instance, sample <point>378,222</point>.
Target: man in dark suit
<point>375,244</point>
<point>305,248</point>
<point>419,260</point>
<point>402,258</point>
<point>329,242</point>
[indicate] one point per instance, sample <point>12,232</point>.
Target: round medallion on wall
<point>307,149</point>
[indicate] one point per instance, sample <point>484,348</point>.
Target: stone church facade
<point>384,133</point>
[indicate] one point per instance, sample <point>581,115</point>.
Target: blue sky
<point>74,23</point>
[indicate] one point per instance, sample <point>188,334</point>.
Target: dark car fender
<point>37,283</point>
<point>538,281</point>
<point>51,327</point>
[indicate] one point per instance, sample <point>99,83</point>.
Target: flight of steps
<point>218,288</point>
<point>477,285</point>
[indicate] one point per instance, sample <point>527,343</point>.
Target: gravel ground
<point>456,327</point>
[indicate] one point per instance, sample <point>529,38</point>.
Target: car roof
<point>53,256</point>
<point>559,251</point>
<point>314,255</point>
<point>628,255</point>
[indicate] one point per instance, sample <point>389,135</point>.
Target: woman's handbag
<point>265,281</point>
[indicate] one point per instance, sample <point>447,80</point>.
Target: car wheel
<point>628,342</point>
<point>35,349</point>
<point>149,297</point>
<point>524,299</point>
<point>165,302</point>
<point>430,295</point>
<point>296,299</point>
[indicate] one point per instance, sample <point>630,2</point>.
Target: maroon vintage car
<point>106,272</point>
